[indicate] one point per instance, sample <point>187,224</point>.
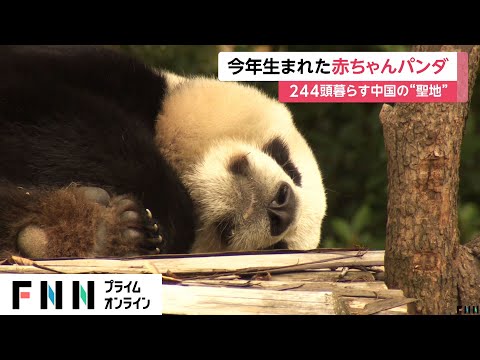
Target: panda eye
<point>226,229</point>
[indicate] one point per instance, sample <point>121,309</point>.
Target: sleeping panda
<point>102,156</point>
<point>253,178</point>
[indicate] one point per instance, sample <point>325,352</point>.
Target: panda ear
<point>239,165</point>
<point>278,150</point>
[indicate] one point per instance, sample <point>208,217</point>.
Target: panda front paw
<point>128,229</point>
<point>87,222</point>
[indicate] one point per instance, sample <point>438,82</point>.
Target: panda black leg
<point>73,222</point>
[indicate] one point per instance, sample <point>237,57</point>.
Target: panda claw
<point>149,213</point>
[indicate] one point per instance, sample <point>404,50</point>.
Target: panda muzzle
<point>281,210</point>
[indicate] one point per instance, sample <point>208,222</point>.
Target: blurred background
<point>347,140</point>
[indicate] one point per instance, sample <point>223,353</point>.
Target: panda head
<point>244,199</point>
<point>253,178</point>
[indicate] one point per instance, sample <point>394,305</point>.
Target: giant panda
<point>251,174</point>
<point>101,155</point>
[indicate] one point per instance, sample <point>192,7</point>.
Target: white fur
<point>203,124</point>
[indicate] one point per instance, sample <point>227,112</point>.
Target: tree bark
<point>423,255</point>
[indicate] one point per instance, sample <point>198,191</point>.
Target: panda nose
<point>281,210</point>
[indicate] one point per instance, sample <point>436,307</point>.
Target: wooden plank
<point>125,269</point>
<point>199,300</point>
<point>20,269</point>
<point>326,275</point>
<point>273,263</point>
<point>371,290</point>
<point>366,306</point>
<point>380,306</point>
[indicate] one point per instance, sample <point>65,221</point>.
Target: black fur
<point>278,150</point>
<point>86,114</point>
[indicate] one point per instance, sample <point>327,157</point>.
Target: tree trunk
<point>423,255</point>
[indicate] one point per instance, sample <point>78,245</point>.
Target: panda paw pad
<point>126,228</point>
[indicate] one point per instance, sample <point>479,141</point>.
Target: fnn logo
<point>54,297</point>
<point>81,294</point>
<point>468,310</point>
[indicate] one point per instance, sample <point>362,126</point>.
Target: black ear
<point>277,149</point>
<point>239,165</point>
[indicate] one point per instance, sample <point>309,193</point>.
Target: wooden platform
<point>324,281</point>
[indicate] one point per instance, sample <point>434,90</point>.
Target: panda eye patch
<point>277,149</point>
<point>226,230</point>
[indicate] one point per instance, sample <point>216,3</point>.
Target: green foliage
<point>353,233</point>
<point>469,220</point>
<point>347,140</point>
